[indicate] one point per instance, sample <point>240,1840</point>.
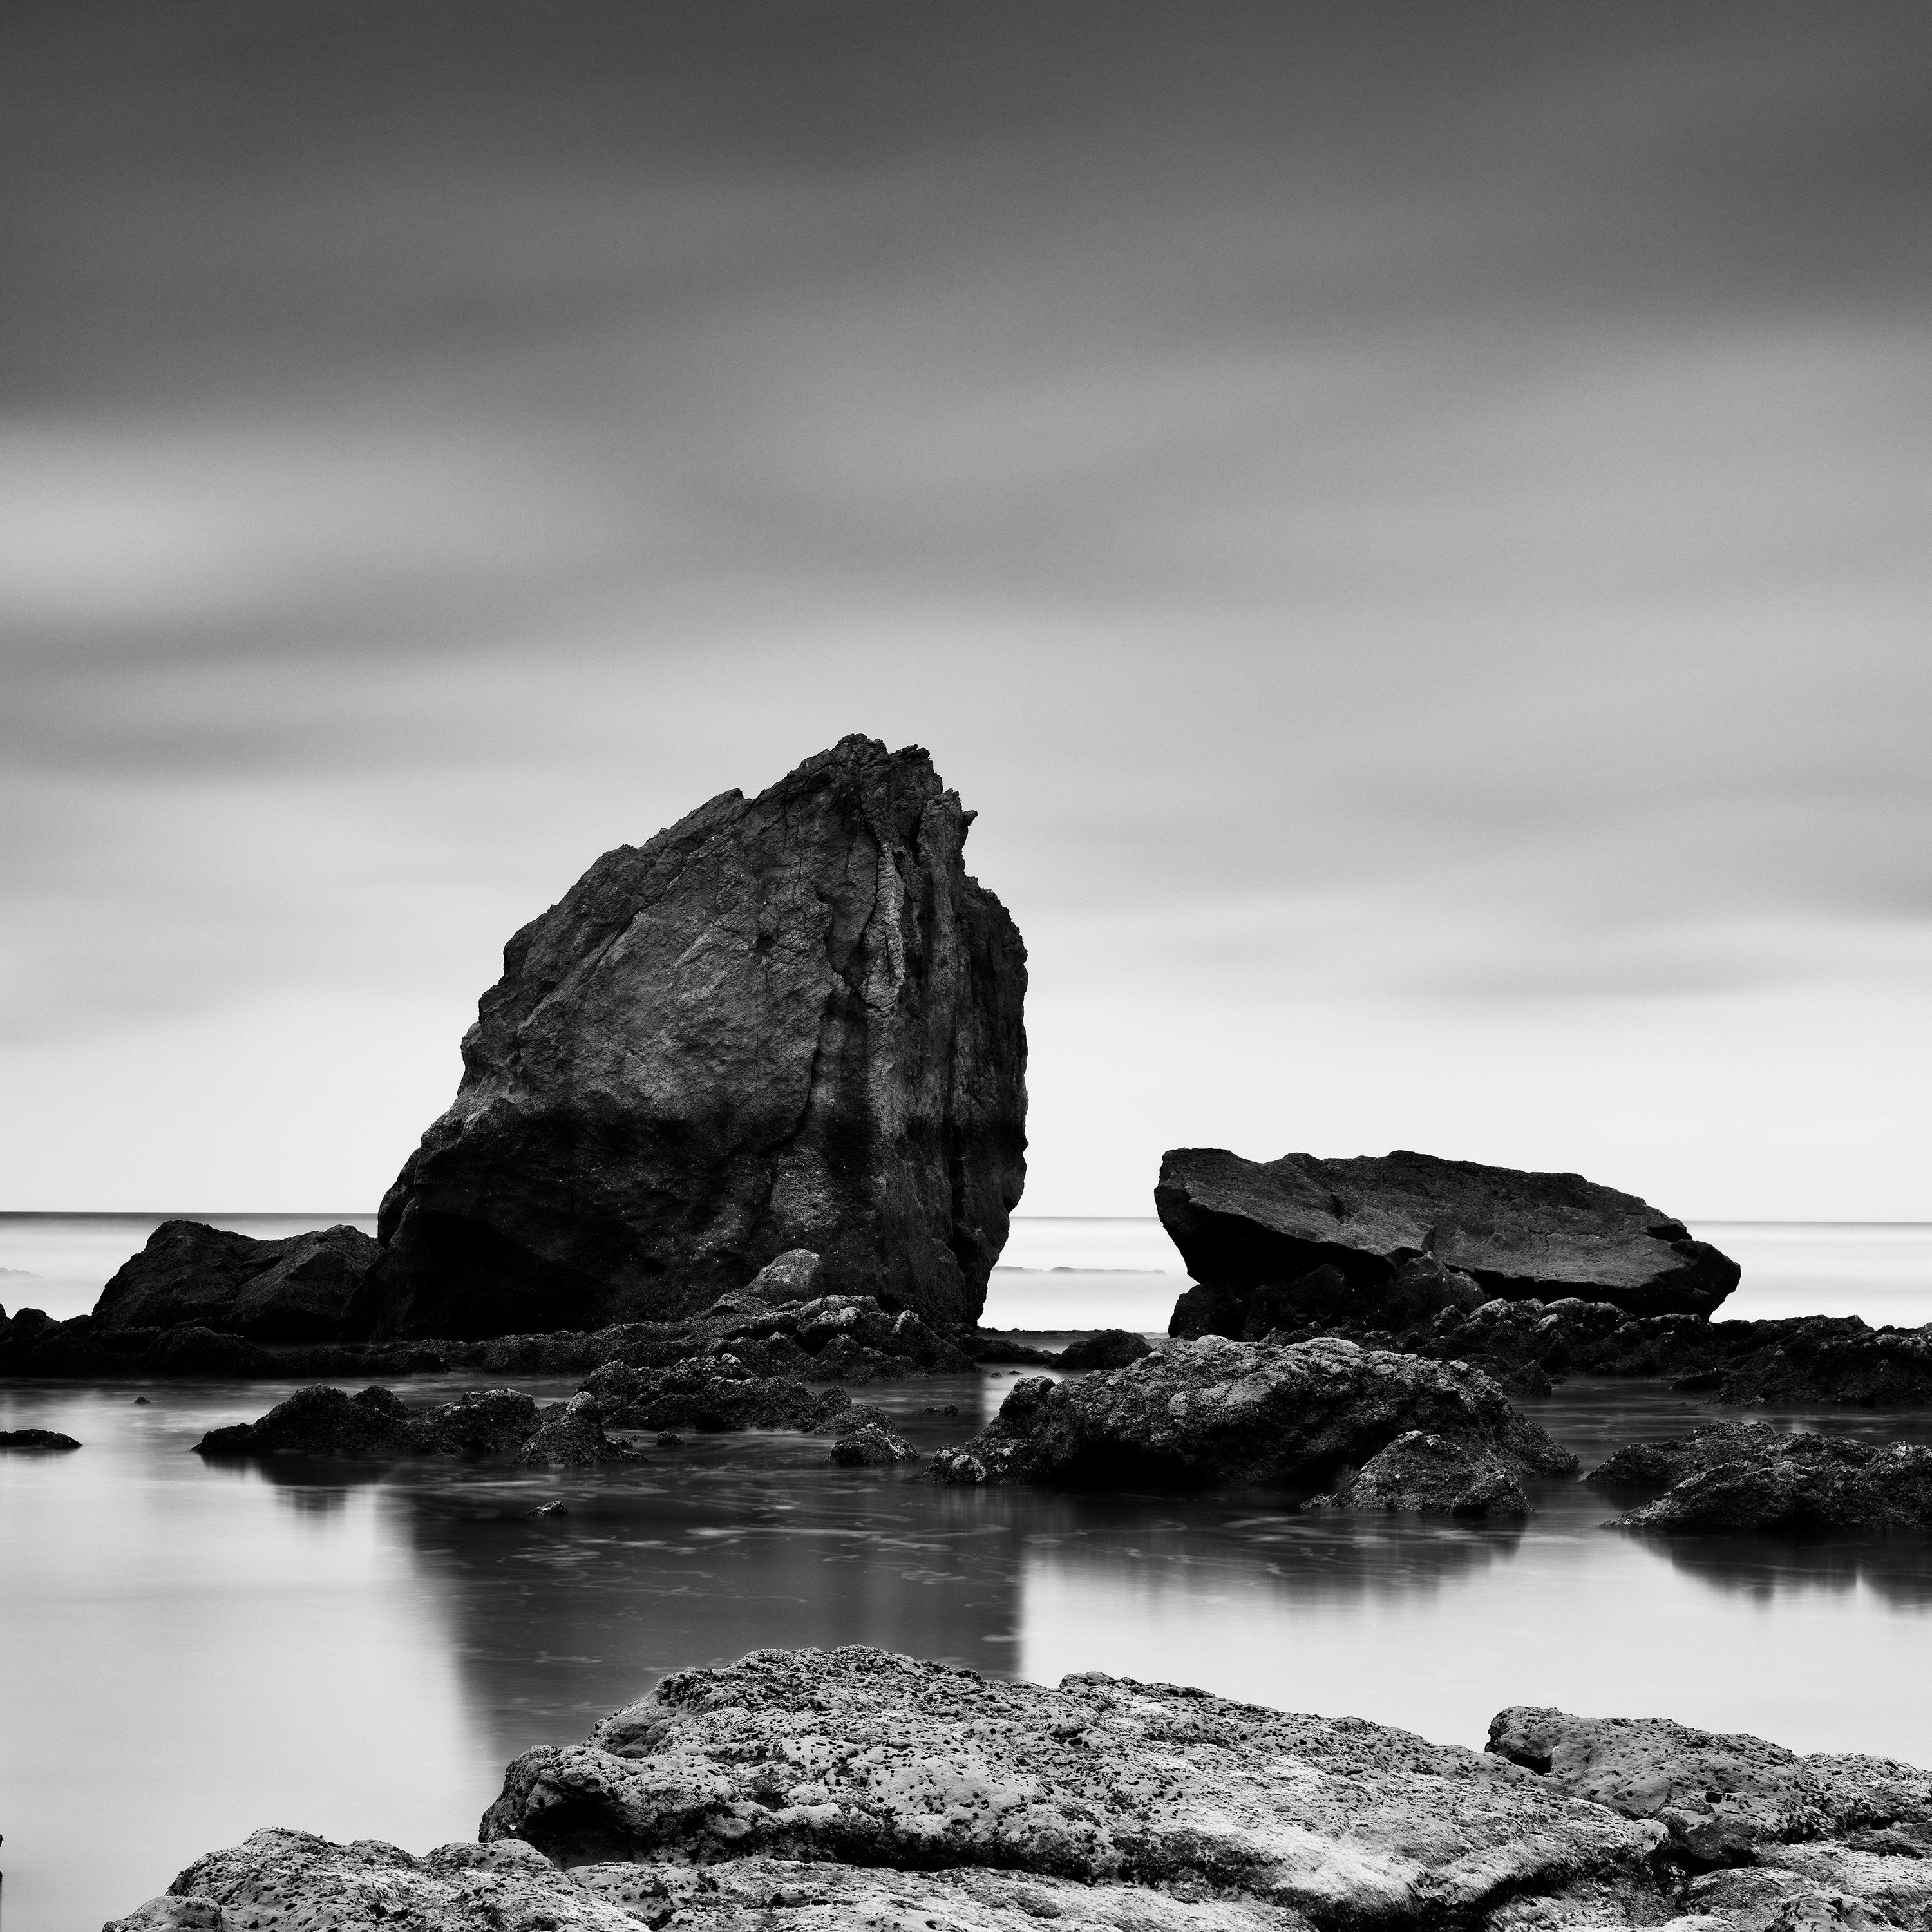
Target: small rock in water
<point>873,1444</point>
<point>669,1438</point>
<point>555,1508</point>
<point>1104,1348</point>
<point>36,1438</point>
<point>141,1402</point>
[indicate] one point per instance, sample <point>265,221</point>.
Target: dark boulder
<point>1215,1410</point>
<point>712,1394</point>
<point>189,1275</point>
<point>1434,1475</point>
<point>36,1438</point>
<point>790,1021</point>
<point>1375,1241</point>
<point>574,1438</point>
<point>1104,1348</point>
<point>320,1422</point>
<point>1656,1466</point>
<point>1763,1482</point>
<point>873,1444</point>
<point>330,1422</point>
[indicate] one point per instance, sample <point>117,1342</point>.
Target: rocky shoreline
<point>803,1790</point>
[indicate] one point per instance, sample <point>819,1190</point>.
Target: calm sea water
<point>187,1652</point>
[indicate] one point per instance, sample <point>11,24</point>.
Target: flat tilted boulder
<point>1375,1240</point>
<point>1215,1410</point>
<point>192,1276</point>
<point>862,1758</point>
<point>788,1022</point>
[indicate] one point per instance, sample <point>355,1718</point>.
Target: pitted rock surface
<point>1433,1475</point>
<point>1217,1411</point>
<point>1726,1799</point>
<point>865,1758</point>
<point>792,1021</point>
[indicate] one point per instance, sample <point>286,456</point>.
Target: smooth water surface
<point>193,1650</point>
<point>188,1651</point>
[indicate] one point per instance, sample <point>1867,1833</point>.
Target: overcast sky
<point>1409,523</point>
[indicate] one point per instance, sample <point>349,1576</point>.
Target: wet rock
<point>873,1444</point>
<point>574,1439</point>
<point>790,1022</point>
<point>205,1353</point>
<point>1215,1410</point>
<point>989,1347</point>
<point>1656,1466</point>
<point>554,1508</point>
<point>1418,1473</point>
<point>325,1421</point>
<point>857,1756</point>
<point>1824,1358</point>
<point>1340,1240</point>
<point>189,1275</point>
<point>1104,1348</point>
<point>1725,1798</point>
<point>36,1438</point>
<point>480,1422</point>
<point>320,1421</point>
<point>792,1276</point>
<point>709,1394</point>
<point>1767,1484</point>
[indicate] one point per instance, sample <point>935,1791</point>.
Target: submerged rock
<point>189,1275</point>
<point>860,1757</point>
<point>1755,1479</point>
<point>790,1021</point>
<point>1390,1239</point>
<point>1418,1473</point>
<point>36,1438</point>
<point>1104,1348</point>
<point>1215,1410</point>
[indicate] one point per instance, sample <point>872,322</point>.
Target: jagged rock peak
<point>787,1021</point>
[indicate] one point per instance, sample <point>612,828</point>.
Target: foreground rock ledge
<point>788,1021</point>
<point>813,1791</point>
<point>1274,1244</point>
<point>1215,1410</point>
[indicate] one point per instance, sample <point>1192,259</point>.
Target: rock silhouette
<point>1384,1240</point>
<point>191,1276</point>
<point>789,1021</point>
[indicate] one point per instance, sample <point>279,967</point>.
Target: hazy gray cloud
<point>1385,510</point>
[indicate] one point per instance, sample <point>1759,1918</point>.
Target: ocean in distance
<point>188,1651</point>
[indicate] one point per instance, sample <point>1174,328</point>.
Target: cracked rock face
<point>792,1021</point>
<point>863,1758</point>
<point>1331,1239</point>
<point>1216,1410</point>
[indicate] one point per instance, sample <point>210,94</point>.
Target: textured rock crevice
<point>789,1021</point>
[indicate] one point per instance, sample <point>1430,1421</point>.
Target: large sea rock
<point>1389,1239</point>
<point>788,1021</point>
<point>191,1276</point>
<point>1214,1411</point>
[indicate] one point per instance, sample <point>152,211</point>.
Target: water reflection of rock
<point>557,1620</point>
<point>1898,1568</point>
